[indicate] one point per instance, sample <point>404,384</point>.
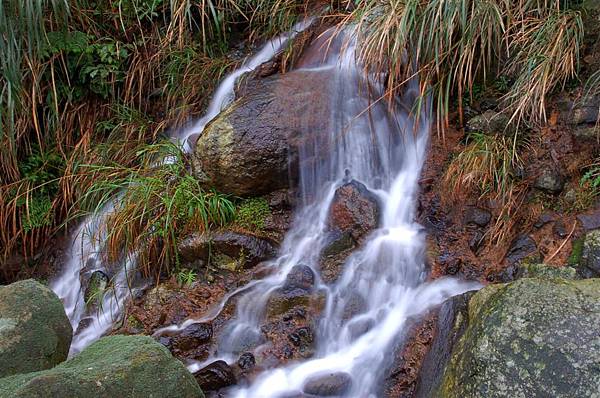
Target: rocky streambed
<point>532,330</point>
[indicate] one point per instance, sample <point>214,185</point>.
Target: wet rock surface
<point>334,384</point>
<point>451,321</point>
<point>490,122</point>
<point>590,256</point>
<point>35,333</point>
<point>526,339</point>
<point>523,247</point>
<point>96,284</point>
<point>189,338</point>
<point>215,376</point>
<point>355,211</point>
<point>477,216</point>
<point>226,249</point>
<point>550,180</point>
<point>249,149</point>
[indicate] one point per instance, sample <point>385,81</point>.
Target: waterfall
<point>86,245</point>
<point>383,145</point>
<point>379,142</point>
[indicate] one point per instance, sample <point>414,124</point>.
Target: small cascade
<point>383,145</point>
<point>86,244</point>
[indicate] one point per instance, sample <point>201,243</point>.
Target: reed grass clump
<point>155,203</point>
<point>89,81</point>
<point>452,44</point>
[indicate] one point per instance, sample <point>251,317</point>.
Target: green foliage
<point>452,44</point>
<point>591,178</point>
<point>252,213</point>
<point>155,203</point>
<point>576,252</point>
<point>186,277</point>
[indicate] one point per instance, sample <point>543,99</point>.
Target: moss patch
<point>252,213</point>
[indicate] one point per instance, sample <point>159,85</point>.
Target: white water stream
<point>86,245</point>
<point>378,143</point>
<point>383,146</point>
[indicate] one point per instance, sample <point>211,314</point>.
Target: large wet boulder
<point>115,366</point>
<point>530,338</point>
<point>450,323</point>
<point>250,149</point>
<point>226,249</point>
<point>35,333</point>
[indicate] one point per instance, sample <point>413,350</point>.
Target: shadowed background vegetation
<point>91,82</point>
<point>88,85</point>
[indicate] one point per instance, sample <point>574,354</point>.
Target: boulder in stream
<point>250,149</point>
<point>115,366</point>
<point>529,338</point>
<point>215,376</point>
<point>355,211</point>
<point>35,333</point>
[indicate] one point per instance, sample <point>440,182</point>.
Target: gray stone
<point>477,216</point>
<point>226,249</point>
<point>590,221</point>
<point>334,384</point>
<point>549,180</point>
<point>491,122</point>
<point>115,366</point>
<point>452,320</point>
<point>35,333</point>
<point>522,248</point>
<point>215,376</point>
<point>250,149</point>
<point>354,210</point>
<point>543,271</point>
<point>530,338</point>
<point>590,256</point>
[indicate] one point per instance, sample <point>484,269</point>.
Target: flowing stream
<point>381,144</point>
<point>84,257</point>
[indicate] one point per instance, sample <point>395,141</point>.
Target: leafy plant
<point>154,204</point>
<point>252,213</point>
<point>186,277</point>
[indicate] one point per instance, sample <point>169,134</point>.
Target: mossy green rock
<point>530,338</point>
<point>35,333</point>
<point>590,254</point>
<point>543,271</point>
<point>115,366</point>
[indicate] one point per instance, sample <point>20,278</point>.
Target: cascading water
<point>382,145</point>
<point>86,245</point>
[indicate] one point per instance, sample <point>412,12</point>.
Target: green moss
<point>576,252</point>
<point>252,213</point>
<point>115,366</point>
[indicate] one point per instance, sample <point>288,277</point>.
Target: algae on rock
<point>529,338</point>
<point>115,366</point>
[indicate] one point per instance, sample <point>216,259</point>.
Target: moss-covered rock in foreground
<point>115,366</point>
<point>35,333</point>
<point>529,338</point>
